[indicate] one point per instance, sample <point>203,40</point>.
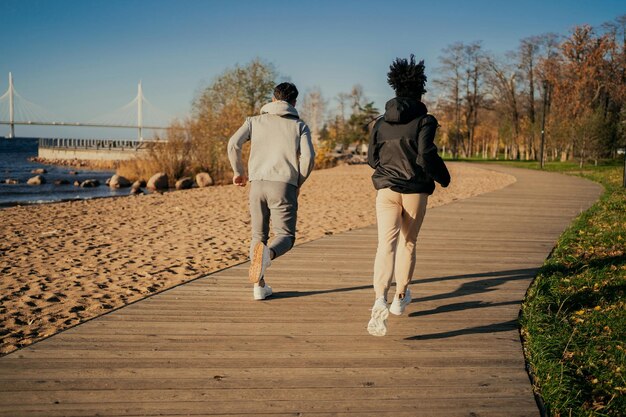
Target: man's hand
<point>240,180</point>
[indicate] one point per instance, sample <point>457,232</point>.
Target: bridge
<point>15,110</point>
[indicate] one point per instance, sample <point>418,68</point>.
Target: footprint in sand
<point>77,309</point>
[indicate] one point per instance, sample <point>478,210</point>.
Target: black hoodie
<point>402,149</point>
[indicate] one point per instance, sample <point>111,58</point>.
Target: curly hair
<point>407,78</point>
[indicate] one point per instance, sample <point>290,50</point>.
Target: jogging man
<point>281,159</point>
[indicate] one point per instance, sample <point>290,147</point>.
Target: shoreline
<point>81,259</point>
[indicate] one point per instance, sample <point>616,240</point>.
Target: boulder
<point>36,180</point>
<point>117,181</point>
<point>76,183</point>
<point>203,179</point>
<point>11,181</point>
<point>184,183</point>
<point>39,171</point>
<point>73,173</point>
<point>61,182</point>
<point>158,182</point>
<point>136,189</point>
<point>90,183</point>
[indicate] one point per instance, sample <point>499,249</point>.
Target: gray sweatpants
<point>278,201</point>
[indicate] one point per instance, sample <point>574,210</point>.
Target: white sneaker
<point>399,304</point>
<point>261,293</point>
<point>259,262</point>
<point>378,323</point>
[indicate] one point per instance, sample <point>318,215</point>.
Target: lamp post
<point>546,85</point>
<point>624,180</point>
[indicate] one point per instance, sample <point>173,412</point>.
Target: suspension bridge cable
<point>118,116</point>
<point>155,113</point>
<point>39,113</point>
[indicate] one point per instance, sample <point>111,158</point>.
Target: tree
<point>503,84</point>
<point>449,81</point>
<point>528,51</point>
<point>246,87</point>
<point>581,86</point>
<point>313,111</point>
<point>345,130</point>
<point>474,73</point>
<point>461,77</point>
<point>221,108</point>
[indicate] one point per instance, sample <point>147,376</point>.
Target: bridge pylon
<point>139,112</point>
<point>11,109</point>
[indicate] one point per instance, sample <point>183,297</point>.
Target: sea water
<point>14,164</point>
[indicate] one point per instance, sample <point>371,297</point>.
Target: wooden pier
<point>92,149</point>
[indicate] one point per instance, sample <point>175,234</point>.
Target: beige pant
<point>399,217</point>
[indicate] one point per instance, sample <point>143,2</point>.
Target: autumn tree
<point>579,83</point>
<point>220,109</point>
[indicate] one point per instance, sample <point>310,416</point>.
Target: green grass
<point>574,316</point>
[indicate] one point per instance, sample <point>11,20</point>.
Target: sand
<point>65,263</point>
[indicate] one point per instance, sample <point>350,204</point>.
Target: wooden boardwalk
<point>205,348</point>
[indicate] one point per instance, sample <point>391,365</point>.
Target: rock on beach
<point>158,182</point>
<point>184,183</point>
<point>117,181</point>
<point>90,183</point>
<point>37,180</point>
<point>203,179</point>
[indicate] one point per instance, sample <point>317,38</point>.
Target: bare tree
<point>313,110</point>
<point>528,51</point>
<point>474,63</point>
<point>357,97</point>
<point>503,85</point>
<point>449,81</point>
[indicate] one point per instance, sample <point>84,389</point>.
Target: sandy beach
<point>64,263</point>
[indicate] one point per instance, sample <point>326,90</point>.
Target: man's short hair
<point>286,92</point>
<point>407,78</point>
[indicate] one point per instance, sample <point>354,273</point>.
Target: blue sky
<point>83,59</point>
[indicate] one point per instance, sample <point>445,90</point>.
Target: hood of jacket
<point>279,108</point>
<point>403,110</point>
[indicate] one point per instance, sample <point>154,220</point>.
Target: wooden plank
<point>235,379</point>
<point>433,406</point>
<point>256,394</point>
